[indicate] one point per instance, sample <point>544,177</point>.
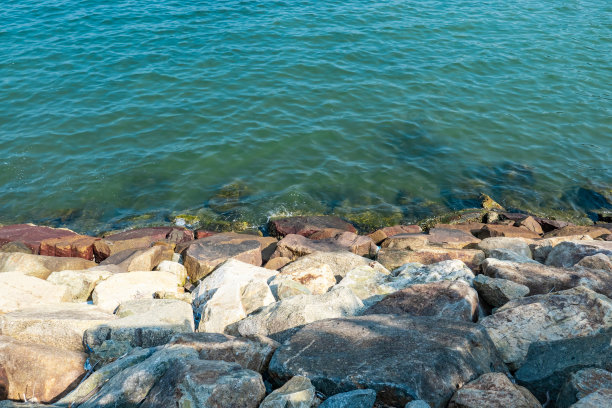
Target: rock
<point>489,204</point>
<point>31,235</point>
<point>473,228</point>
<point>508,255</point>
<point>542,247</point>
<point>569,253</point>
<point>380,235</point>
<point>38,265</point>
<point>109,351</point>
<point>393,259</point>
<point>561,315</point>
<point>36,371</point>
<point>78,246</point>
<point>139,238</point>
<point>123,287</point>
<point>508,231</point>
<point>451,238</point>
<point>255,295</point>
<point>317,280</point>
<point>295,246</point>
<point>325,233</point>
<point>298,392</point>
<point>351,399</point>
<point>16,246</point>
<point>371,285</point>
<point>597,261</point>
<point>145,259</point>
<point>406,241</point>
<point>307,225</point>
<point>174,268</point>
<point>288,288</point>
<point>493,390</point>
<point>417,404</point>
<point>498,292</point>
<point>204,255</point>
<point>413,273</point>
<point>582,383</point>
<point>144,323</point>
<point>518,245</point>
<point>593,231</point>
<point>550,225</point>
<point>453,300</point>
<point>597,399</point>
<point>253,353</point>
<point>79,284</point>
<point>279,320</point>
<point>549,364</point>
<point>531,224</point>
<point>18,291</point>
<point>339,262</point>
<point>61,326</point>
<point>277,263</point>
<point>402,357</point>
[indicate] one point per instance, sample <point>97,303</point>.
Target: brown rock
<point>406,241</point>
<point>592,231</point>
<point>393,259</point>
<point>494,230</point>
<point>78,246</point>
<point>35,371</point>
<point>145,259</point>
<point>31,235</point>
<point>139,238</point>
<point>307,225</point>
<point>493,390</point>
<point>380,235</point>
<point>516,217</point>
<point>582,383</point>
<point>277,263</point>
<point>551,225</point>
<point>531,224</point>
<point>199,234</point>
<point>473,228</point>
<point>451,238</point>
<point>326,233</point>
<point>453,300</point>
<point>294,246</point>
<point>16,246</point>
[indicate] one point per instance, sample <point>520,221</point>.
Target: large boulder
<point>370,284</point>
<point>493,390</point>
<point>144,259</point>
<point>298,392</point>
<point>294,246</point>
<point>402,358</point>
<point>569,253</point>
<point>38,265</point>
<point>339,262</point>
<point>453,270</point>
<point>33,371</point>
<point>451,238</point>
<point>351,399</point>
<point>593,231</point>
<point>582,383</point>
<point>561,315</point>
<point>279,320</point>
<point>508,231</point>
<point>61,326</point>
<point>18,290</point>
<point>517,245</point>
<point>122,287</point>
<point>406,241</point>
<point>542,247</point>
<point>139,238</point>
<point>447,299</point>
<point>222,298</point>
<point>79,284</point>
<point>470,227</point>
<point>317,279</point>
<point>597,399</point>
<point>497,292</point>
<point>78,246</point>
<point>31,235</point>
<point>393,259</point>
<point>143,323</point>
<point>307,225</point>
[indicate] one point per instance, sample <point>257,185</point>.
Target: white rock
<point>18,291</point>
<point>79,284</point>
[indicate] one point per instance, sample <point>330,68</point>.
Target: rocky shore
<point>484,309</point>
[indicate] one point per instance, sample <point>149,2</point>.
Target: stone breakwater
<point>490,309</point>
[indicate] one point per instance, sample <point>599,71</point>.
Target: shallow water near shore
<point>135,111</point>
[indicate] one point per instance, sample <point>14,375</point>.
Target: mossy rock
<point>369,221</point>
<point>229,197</point>
<point>467,215</point>
<point>489,204</point>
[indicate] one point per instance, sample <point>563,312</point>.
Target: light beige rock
<point>597,261</point>
<point>287,288</point>
<point>254,295</point>
<point>144,259</point>
<point>371,285</point>
<point>413,273</point>
<point>339,262</point>
<point>493,390</point>
<point>393,259</point>
<point>18,291</point>
<point>518,245</point>
<point>38,265</point>
<point>175,268</point>
<point>122,287</point>
<point>298,392</point>
<point>406,241</point>
<point>78,284</point>
<point>318,279</point>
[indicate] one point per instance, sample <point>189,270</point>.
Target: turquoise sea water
<point>402,108</point>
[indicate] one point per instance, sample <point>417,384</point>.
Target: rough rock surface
<point>542,247</point>
<point>371,285</point>
<point>597,261</point>
<point>561,315</point>
<point>18,290</point>
<point>298,392</point>
<point>174,268</point>
<point>531,224</point>
<point>15,246</point>
<point>498,292</point>
<point>339,262</point>
<point>307,225</point>
<point>79,284</point>
<point>144,259</point>
<point>380,235</point>
<point>294,246</point>
<point>277,263</point>
<point>592,231</point>
<point>317,279</point>
<point>393,259</point>
<point>569,253</point>
<point>413,273</point>
<point>288,288</point>
<point>451,238</point>
<point>139,238</point>
<point>508,255</point>
<point>402,358</point>
<point>508,231</point>
<point>406,241</point>
<point>78,246</point>
<point>471,227</point>
<point>452,300</point>
<point>31,235</point>
<point>597,399</point>
<point>518,245</point>
<point>351,399</point>
<point>493,390</point>
<point>582,383</point>
<point>38,265</point>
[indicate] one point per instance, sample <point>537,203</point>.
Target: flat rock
<point>145,259</point>
<point>508,255</point>
<point>508,231</point>
<point>473,228</point>
<point>294,246</point>
<point>370,284</point>
<point>15,246</point>
<point>61,326</point>
<point>298,392</point>
<point>339,262</point>
<point>253,352</point>
<point>406,241</point>
<point>582,383</point>
<point>531,224</point>
<point>393,259</point>
<point>351,399</point>
<point>561,315</point>
<point>402,358</point>
<point>122,287</point>
<point>36,371</point>
<point>453,300</point>
<point>279,320</point>
<point>549,364</point>
<point>307,225</point>
<point>380,235</point>
<point>38,265</point>
<point>451,238</point>
<point>493,390</point>
<point>79,284</point>
<point>517,245</point>
<point>317,279</point>
<point>497,292</point>
<point>569,253</point>
<point>593,231</point>
<point>453,270</point>
<point>144,323</point>
<point>18,291</point>
<point>139,238</point>
<point>277,263</point>
<point>78,246</point>
<point>31,235</point>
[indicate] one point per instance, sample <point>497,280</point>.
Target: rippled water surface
<point>237,110</point>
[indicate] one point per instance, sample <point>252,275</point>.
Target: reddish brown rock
<point>531,224</point>
<point>199,234</point>
<point>592,231</point>
<point>145,259</point>
<point>307,225</point>
<point>495,230</point>
<point>473,228</point>
<point>35,371</point>
<point>139,238</point>
<point>406,241</point>
<point>393,258</point>
<point>326,233</point>
<point>294,246</point>
<point>380,235</point>
<point>551,225</point>
<point>31,235</point>
<point>76,246</point>
<point>451,238</point>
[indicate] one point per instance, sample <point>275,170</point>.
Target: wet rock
<point>593,231</point>
<point>307,225</point>
<point>78,246</point>
<point>451,238</point>
<point>279,320</point>
<point>549,364</point>
<point>16,246</point>
<point>123,287</point>
<point>493,390</point>
<point>139,238</point>
<point>402,358</point>
<point>596,399</point>
<point>393,259</point>
<point>219,297</point>
<point>508,231</point>
<point>144,323</point>
<point>38,265</point>
<point>498,292</point>
<point>542,247</point>
<point>253,353</point>
<point>406,241</point>
<point>561,315</point>
<point>277,263</point>
<point>582,383</point>
<point>298,392</point>
<point>569,253</point>
<point>380,235</point>
<point>79,284</point>
<point>33,371</point>
<point>452,300</point>
<point>339,262</point>
<point>295,246</point>
<point>414,273</point>
<point>518,245</point>
<point>145,259</point>
<point>531,224</point>
<point>489,204</point>
<point>317,280</point>
<point>31,235</point>
<point>174,268</point>
<point>18,291</point>
<point>351,399</point>
<point>61,326</point>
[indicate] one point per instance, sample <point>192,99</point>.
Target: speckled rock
<point>493,390</point>
<point>339,262</point>
<point>569,253</point>
<point>582,383</point>
<point>351,399</point>
<point>298,392</point>
<point>393,259</point>
<point>498,292</point>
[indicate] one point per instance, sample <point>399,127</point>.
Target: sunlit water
<point>401,108</point>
